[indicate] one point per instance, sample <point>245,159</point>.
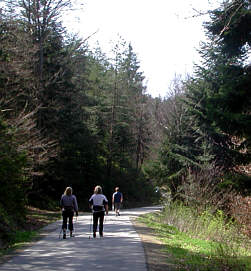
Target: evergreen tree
<point>216,121</point>
<point>225,83</point>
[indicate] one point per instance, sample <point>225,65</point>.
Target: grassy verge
<point>36,219</point>
<point>192,250</point>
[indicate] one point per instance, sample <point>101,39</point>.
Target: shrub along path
<point>120,249</point>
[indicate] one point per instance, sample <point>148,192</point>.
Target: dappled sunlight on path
<point>119,249</point>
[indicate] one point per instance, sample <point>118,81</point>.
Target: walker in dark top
<point>68,204</point>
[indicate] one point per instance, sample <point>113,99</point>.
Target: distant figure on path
<point>117,199</point>
<point>68,204</point>
<point>99,205</point>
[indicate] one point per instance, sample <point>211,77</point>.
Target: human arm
<point>91,203</point>
<point>61,203</point>
<point>106,208</point>
<point>105,203</point>
<point>75,205</point>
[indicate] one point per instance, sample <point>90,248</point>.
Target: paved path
<point>120,249</point>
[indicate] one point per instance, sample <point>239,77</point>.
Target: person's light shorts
<point>117,205</point>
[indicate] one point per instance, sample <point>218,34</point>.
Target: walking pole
<point>60,233</point>
<point>90,226</point>
<point>76,220</point>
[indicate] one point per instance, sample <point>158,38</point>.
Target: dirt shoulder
<point>156,258</point>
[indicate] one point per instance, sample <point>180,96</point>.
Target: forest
<point>73,116</point>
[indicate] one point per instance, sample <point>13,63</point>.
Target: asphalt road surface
<point>119,249</point>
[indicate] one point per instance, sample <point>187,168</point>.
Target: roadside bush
<point>240,209</point>
<point>7,226</point>
<point>201,189</point>
<point>209,225</point>
<point>217,247</point>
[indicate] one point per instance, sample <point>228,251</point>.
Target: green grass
<point>19,239</point>
<point>190,253</point>
<point>22,237</point>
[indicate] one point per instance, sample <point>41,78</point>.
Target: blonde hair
<point>68,191</point>
<point>98,189</point>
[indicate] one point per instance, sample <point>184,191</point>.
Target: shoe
<point>101,234</point>
<point>94,235</point>
<point>64,236</point>
<point>71,234</point>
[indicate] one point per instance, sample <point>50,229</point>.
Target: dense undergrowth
<point>201,242</point>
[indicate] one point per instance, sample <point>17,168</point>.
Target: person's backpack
<point>70,204</point>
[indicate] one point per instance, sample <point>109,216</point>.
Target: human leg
<point>95,223</point>
<point>117,207</point>
<point>64,225</point>
<point>70,226</point>
<point>101,221</point>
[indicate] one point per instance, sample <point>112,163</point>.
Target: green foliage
<point>21,237</point>
<point>208,225</point>
<point>227,98</point>
<point>102,135</point>
<point>231,22</point>
<point>240,182</point>
<point>72,117</point>
<point>12,164</point>
<point>209,120</point>
<point>200,242</point>
<point>13,183</point>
